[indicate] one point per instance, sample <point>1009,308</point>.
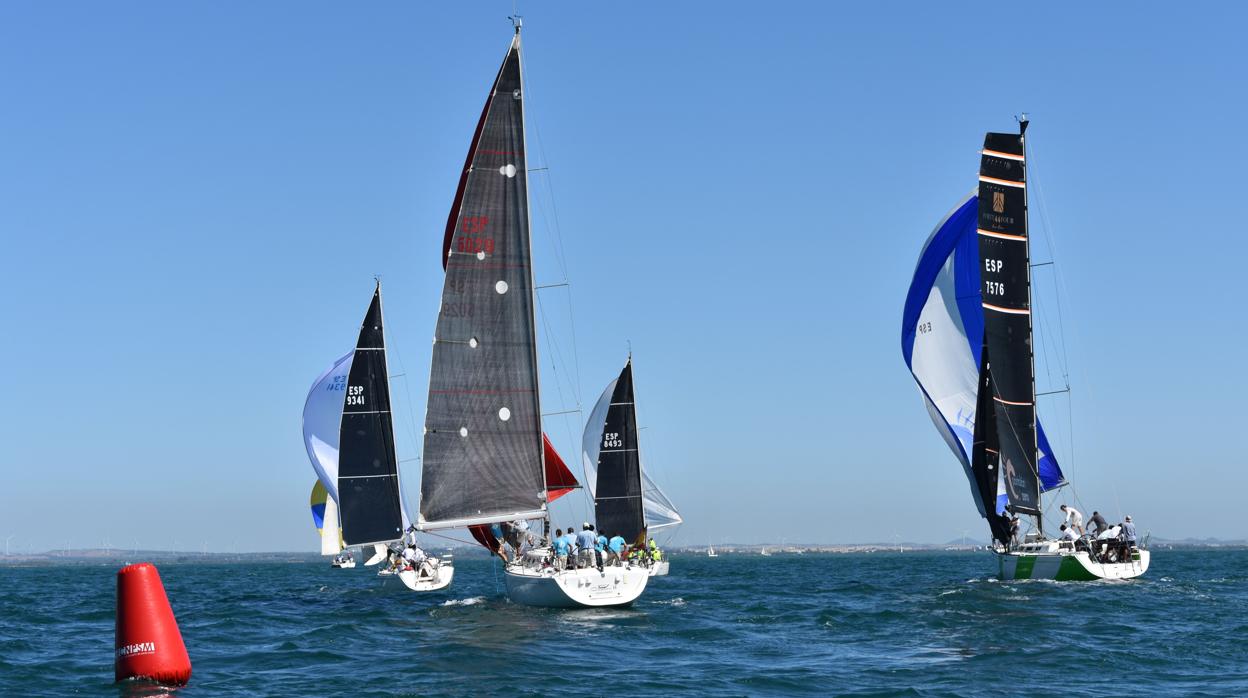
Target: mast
<point>1031,352</point>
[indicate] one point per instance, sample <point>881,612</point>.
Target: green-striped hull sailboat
<point>967,339</point>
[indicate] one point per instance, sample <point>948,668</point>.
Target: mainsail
<point>942,341</point>
<point>369,496</point>
<point>1005,276</point>
<point>659,510</point>
<point>483,451</point>
<point>618,507</point>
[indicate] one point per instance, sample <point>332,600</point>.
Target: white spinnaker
<point>322,420</point>
<point>331,538</point>
<point>943,364</point>
<point>659,510</point>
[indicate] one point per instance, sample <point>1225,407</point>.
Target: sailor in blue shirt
<point>585,547</point>
<point>600,549</point>
<point>616,546</point>
<point>560,544</point>
<point>569,537</point>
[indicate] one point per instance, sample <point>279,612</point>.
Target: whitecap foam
<point>470,601</point>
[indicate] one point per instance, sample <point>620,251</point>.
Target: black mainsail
<point>1005,277</point>
<point>368,472</point>
<point>618,502</point>
<point>483,438</point>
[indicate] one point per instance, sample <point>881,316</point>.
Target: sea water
<point>921,623</point>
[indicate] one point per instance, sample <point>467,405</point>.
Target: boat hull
<point>349,564</point>
<point>585,588</point>
<point>408,580</point>
<point>659,569</point>
<point>1066,566</point>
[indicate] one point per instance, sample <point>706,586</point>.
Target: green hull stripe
<point>1026,563</point>
<point>1072,570</point>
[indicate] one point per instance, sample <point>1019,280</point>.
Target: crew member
<point>1073,518</point>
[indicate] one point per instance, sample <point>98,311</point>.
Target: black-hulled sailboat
<point>967,338</point>
<point>486,460</point>
<point>627,502</point>
<point>369,493</point>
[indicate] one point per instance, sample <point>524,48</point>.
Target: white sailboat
<point>615,408</point>
<point>367,478</point>
<point>971,298</point>
<point>486,460</point>
<point>710,551</point>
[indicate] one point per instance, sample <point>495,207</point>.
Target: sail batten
<point>483,445</point>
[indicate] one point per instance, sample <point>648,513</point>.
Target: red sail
<point>559,480</point>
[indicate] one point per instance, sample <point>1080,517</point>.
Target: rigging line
<point>560,251</point>
<point>1060,289</point>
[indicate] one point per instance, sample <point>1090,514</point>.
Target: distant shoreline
<point>122,557</point>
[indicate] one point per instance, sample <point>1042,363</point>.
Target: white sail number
<point>992,266</point>
<point>612,440</point>
<point>355,395</point>
<point>995,288</point>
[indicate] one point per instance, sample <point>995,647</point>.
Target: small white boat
<point>710,552</point>
<point>434,577</point>
<point>533,583</point>
<point>764,553</point>
<point>659,569</point>
<point>343,564</point>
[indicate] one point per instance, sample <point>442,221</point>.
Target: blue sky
<point>194,199</point>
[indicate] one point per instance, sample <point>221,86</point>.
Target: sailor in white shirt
<point>1073,518</point>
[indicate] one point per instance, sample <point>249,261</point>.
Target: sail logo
<point>135,649</point>
<point>355,395</point>
<point>998,202</point>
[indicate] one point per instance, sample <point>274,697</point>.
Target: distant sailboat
<point>626,500</point>
<point>764,552</point>
<point>710,551</point>
<point>971,299</point>
<point>369,492</point>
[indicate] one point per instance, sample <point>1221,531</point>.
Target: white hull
<point>442,576</point>
<point>659,570</point>
<point>347,565</point>
<point>1065,565</point>
<point>584,588</point>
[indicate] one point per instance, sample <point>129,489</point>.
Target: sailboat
<point>369,492</point>
<point>710,551</point>
<point>486,460</point>
<point>611,465</point>
<point>967,338</point>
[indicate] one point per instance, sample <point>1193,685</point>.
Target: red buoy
<point>148,644</point>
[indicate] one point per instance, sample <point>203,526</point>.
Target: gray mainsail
<point>483,437</point>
